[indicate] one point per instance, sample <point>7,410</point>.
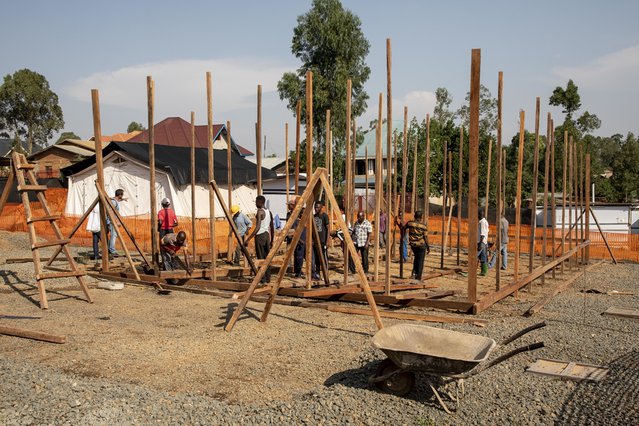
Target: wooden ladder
<point>23,171</point>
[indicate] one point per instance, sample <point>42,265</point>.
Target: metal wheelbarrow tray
<point>444,354</point>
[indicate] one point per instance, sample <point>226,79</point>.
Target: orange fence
<point>624,246</point>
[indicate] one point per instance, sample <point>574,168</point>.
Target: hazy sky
<point>112,46</point>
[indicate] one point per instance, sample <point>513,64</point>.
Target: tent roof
<point>176,161</point>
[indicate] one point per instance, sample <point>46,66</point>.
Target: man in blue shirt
<point>243,225</point>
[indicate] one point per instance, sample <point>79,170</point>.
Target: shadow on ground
<point>614,401</point>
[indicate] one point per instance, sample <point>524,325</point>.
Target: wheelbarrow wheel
<point>398,384</point>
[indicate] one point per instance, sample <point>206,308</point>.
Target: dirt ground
<point>177,343</point>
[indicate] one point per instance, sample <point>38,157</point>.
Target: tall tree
<point>133,126</point>
<point>487,111</point>
<point>442,112</point>
<point>567,98</point>
<point>29,108</point>
<point>329,41</point>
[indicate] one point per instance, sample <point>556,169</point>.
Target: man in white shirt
<point>482,245</point>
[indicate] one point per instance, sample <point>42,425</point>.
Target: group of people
<point>413,233</point>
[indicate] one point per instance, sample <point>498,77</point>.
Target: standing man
<point>362,231</point>
<point>300,248</point>
<point>482,245</point>
<point>263,233</point>
<point>321,223</point>
<point>383,220</point>
<point>418,239</point>
<point>403,236</point>
<point>115,202</point>
<point>243,225</point>
<point>93,225</point>
<point>167,220</point>
<point>290,206</point>
<point>504,241</point>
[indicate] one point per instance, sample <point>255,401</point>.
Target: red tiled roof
<point>175,131</point>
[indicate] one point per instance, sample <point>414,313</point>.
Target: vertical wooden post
<point>444,203</point>
<point>580,150</point>
<point>587,208</point>
<point>286,154</point>
<point>500,172</point>
<point>449,238</point>
<point>473,154</point>
<point>488,167</point>
<point>354,211</point>
<point>347,193</point>
<point>366,178</point>
<point>389,130</point>
<point>193,227</point>
<point>99,164</point>
<point>413,204</point>
<point>520,165</point>
<point>460,183</point>
<point>568,148</point>
<point>229,178</point>
<point>378,189</point>
<point>155,250</point>
<point>403,200</point>
<point>427,172</point>
<point>545,208</point>
<point>533,211</point>
<point>309,172</point>
<point>563,197</point>
<point>258,139</point>
<point>298,114</point>
<point>552,191</point>
<point>209,119</point>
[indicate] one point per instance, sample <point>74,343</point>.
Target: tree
<point>588,122</point>
<point>329,41</point>
<point>29,108</point>
<point>442,112</point>
<point>135,126</point>
<point>487,111</point>
<point>67,135</point>
<point>567,98</point>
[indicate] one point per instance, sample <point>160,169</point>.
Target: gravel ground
<point>134,357</point>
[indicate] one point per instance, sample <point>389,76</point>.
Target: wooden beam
<point>403,199</point>
<point>33,335</point>
<point>553,212</point>
<point>488,167</point>
<point>347,191</point>
<point>378,189</point>
<point>99,165</point>
<point>298,127</point>
<point>211,166</point>
<point>444,203</point>
<point>563,195</point>
<point>413,204</point>
<point>309,171</point>
<point>7,189</point>
<point>545,205</point>
<point>193,227</point>
<point>500,174</point>
<point>229,178</point>
<point>473,154</point>
<point>533,211</point>
<point>258,138</point>
<point>155,249</point>
<point>389,135</point>
<point>612,256</point>
<point>286,153</point>
<point>460,185</point>
<point>427,173</point>
<point>520,165</point>
<point>496,296</point>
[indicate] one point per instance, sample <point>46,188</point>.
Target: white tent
<point>123,171</point>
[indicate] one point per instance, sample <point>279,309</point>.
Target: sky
<point>79,45</point>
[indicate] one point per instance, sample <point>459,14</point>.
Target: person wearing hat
<point>167,220</point>
<point>243,225</point>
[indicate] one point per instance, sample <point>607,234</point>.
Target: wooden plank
<point>496,296</point>
<point>24,188</point>
<point>500,171</point>
<point>51,243</point>
<point>473,155</point>
<point>33,335</point>
<point>622,312</point>
<point>409,316</point>
<point>424,295</point>
<point>614,260</point>
<point>7,188</point>
<point>562,286</point>
<point>568,370</point>
<point>520,165</point>
<point>66,274</point>
<point>43,219</point>
<point>389,136</point>
<point>155,246</point>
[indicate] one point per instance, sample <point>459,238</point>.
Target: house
<point>175,131</point>
<point>50,160</point>
<point>126,166</point>
<point>362,169</point>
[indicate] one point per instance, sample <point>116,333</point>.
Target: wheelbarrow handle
<point>522,332</point>
<point>501,359</point>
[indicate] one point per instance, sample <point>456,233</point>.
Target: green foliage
<point>442,112</point>
<point>487,112</point>
<point>135,126</point>
<point>588,122</point>
<point>329,41</point>
<point>29,109</point>
<point>567,98</point>
<point>67,135</point>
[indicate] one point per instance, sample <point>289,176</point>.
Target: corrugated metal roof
<point>369,140</point>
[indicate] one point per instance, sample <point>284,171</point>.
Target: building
<point>363,169</point>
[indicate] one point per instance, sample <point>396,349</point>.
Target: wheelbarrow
<point>444,356</point>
